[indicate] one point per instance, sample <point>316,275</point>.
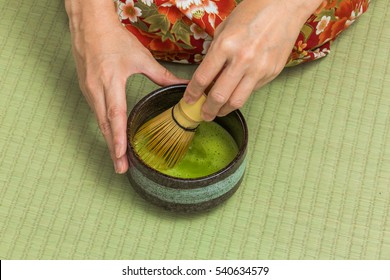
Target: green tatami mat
<point>317,184</point>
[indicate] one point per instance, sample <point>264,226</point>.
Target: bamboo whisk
<point>163,141</point>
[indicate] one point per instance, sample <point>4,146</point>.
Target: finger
<point>159,74</point>
<point>121,164</point>
<point>204,75</point>
<point>264,81</point>
<point>239,97</point>
<point>116,111</point>
<point>99,106</point>
<point>221,92</point>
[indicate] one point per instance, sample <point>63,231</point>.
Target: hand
<point>250,48</point>
<point>106,54</point>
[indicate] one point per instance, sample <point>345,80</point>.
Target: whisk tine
<point>163,140</point>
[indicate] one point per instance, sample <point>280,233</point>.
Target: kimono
<point>182,30</point>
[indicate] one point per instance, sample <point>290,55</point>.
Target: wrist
<point>85,14</point>
<point>302,8</point>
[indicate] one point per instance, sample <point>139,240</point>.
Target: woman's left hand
<point>250,48</point>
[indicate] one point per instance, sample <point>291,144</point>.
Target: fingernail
<point>118,151</point>
<point>188,99</point>
<point>207,117</point>
<point>118,167</point>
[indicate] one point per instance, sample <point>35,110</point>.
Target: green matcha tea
<point>212,149</point>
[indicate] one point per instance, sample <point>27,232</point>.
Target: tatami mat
<point>317,184</point>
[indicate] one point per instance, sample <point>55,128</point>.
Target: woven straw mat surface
<point>317,184</point>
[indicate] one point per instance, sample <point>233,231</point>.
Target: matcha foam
<point>212,149</point>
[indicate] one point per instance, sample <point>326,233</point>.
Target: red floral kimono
<point>182,30</point>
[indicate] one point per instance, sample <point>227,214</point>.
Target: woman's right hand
<point>106,54</point>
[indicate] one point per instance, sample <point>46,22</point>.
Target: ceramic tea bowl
<point>179,194</point>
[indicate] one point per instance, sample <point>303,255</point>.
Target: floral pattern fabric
<point>182,30</point>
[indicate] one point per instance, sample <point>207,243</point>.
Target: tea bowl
<point>183,194</point>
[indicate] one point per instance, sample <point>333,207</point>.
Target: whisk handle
<point>188,115</point>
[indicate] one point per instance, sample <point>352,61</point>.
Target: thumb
<point>162,76</point>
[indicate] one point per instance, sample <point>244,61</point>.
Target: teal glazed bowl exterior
<point>178,194</point>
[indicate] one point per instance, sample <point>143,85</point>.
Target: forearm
<point>302,9</point>
<point>85,14</point>
<point>286,16</point>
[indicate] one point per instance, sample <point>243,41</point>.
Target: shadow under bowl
<point>182,194</point>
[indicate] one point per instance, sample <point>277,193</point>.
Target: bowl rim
<point>241,151</point>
